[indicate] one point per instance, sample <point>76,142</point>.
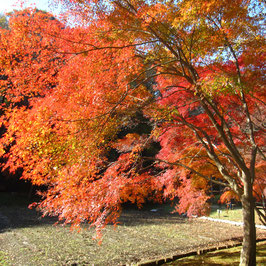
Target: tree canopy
<point>141,100</point>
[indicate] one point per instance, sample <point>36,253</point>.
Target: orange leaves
<point>128,142</point>
<point>192,199</point>
<point>82,88</point>
<point>27,53</point>
<point>137,190</point>
<point>228,196</point>
<point>76,102</point>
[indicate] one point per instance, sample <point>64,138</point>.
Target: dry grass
<point>25,239</point>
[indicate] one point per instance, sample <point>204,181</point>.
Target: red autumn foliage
<point>190,72</point>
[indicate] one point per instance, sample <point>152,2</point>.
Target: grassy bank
<point>232,215</point>
<point>228,256</point>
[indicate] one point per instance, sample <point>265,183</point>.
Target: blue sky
<point>9,5</point>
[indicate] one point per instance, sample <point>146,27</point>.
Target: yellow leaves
<point>217,84</point>
<point>177,23</point>
<point>2,151</point>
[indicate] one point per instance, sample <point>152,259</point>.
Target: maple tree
<point>190,73</point>
<point>28,62</point>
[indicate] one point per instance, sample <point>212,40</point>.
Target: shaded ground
<point>26,239</point>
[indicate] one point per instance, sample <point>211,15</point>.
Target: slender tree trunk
<point>248,252</point>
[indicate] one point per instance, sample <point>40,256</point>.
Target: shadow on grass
<point>14,213</point>
<point>137,217</point>
<point>21,217</point>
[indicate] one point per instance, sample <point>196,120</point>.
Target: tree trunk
<point>248,252</point>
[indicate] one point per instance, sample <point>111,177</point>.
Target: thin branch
<point>188,168</point>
